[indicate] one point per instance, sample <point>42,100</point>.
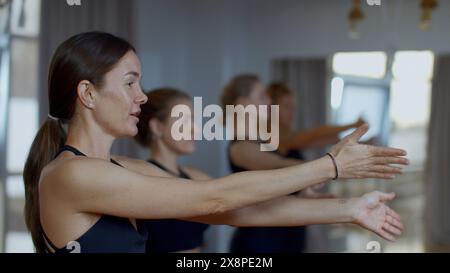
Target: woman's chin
<point>186,150</point>
<point>132,131</point>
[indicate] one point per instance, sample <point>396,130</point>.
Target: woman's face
<point>117,104</point>
<point>181,147</point>
<point>258,95</point>
<point>287,110</point>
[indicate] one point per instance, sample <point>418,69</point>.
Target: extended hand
<point>371,212</point>
<point>356,160</point>
<point>360,122</point>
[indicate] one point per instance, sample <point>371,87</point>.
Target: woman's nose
<point>141,98</point>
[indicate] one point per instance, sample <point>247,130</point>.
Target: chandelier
<point>427,9</point>
<point>355,16</point>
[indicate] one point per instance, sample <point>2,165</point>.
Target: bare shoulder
<point>61,180</point>
<point>196,174</point>
<point>70,171</point>
<point>139,166</point>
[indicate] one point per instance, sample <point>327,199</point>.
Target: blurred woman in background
<point>246,156</point>
<point>154,133</point>
<point>292,143</point>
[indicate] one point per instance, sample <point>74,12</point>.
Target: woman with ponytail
<point>78,199</point>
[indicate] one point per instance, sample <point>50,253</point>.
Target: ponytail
<point>49,139</point>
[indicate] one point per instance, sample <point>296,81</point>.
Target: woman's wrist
<point>350,208</point>
<point>328,168</point>
<point>336,169</point>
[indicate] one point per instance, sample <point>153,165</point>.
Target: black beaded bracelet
<point>335,166</point>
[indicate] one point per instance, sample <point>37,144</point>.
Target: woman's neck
<point>163,155</point>
<point>286,134</point>
<point>89,139</point>
<point>286,131</point>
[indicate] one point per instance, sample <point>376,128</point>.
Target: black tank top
<point>259,240</point>
<point>173,235</point>
<point>109,235</point>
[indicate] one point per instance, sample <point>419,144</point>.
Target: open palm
<point>371,212</point>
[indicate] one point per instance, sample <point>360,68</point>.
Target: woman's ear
<point>86,94</point>
<point>156,127</point>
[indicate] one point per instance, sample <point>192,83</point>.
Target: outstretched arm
<point>369,211</point>
<point>249,156</point>
<point>320,136</point>
<point>96,186</point>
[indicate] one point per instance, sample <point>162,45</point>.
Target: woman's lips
<point>135,116</point>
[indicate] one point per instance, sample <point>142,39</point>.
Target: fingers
<point>382,170</point>
<point>393,214</point>
<point>386,169</point>
<point>392,226</point>
<point>385,235</point>
<point>391,229</point>
<point>376,175</point>
<point>387,197</point>
<point>358,133</point>
<point>397,224</point>
<point>390,160</point>
<point>382,151</point>
<point>394,219</point>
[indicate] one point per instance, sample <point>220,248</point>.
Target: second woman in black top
<point>154,133</point>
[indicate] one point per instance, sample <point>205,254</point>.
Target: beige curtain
<point>437,215</point>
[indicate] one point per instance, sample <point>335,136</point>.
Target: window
<point>410,104</point>
<point>365,101</point>
<point>22,127</point>
<point>20,36</point>
<point>397,106</point>
<point>396,101</point>
<point>359,90</point>
<point>361,64</point>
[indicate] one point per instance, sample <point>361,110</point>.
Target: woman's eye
<point>130,84</point>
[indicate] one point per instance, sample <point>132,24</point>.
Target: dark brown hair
<point>87,56</point>
<point>158,106</point>
<point>239,86</point>
<point>277,90</point>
